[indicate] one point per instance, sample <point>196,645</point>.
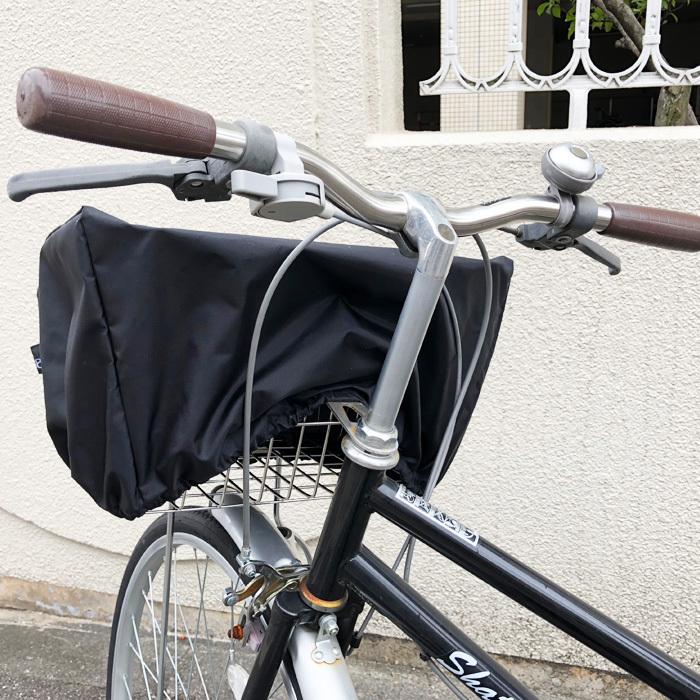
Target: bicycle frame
<point>342,564</point>
<point>520,583</point>
<point>361,494</point>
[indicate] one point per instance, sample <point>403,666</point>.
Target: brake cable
<point>339,217</point>
<point>250,374</point>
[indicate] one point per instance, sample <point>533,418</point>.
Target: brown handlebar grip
<point>63,104</point>
<point>658,227</point>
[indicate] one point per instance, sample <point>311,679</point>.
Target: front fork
<point>371,448</point>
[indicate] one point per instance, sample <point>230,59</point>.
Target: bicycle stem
<point>374,443</point>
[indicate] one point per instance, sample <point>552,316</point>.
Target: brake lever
<point>206,179</point>
<point>599,254</point>
<point>546,237</point>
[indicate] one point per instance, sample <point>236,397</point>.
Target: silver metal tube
<point>541,208</point>
<point>390,209</point>
<point>411,328</point>
<point>230,141</point>
<point>379,208</point>
<point>474,219</point>
<point>166,602</point>
<point>604,217</point>
<point>436,242</point>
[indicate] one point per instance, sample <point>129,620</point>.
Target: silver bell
<point>570,168</point>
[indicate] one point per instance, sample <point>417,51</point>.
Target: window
<point>472,96</point>
<point>420,39</point>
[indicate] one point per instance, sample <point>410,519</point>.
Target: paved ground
<point>48,657</point>
<point>42,656</point>
<point>52,658</point>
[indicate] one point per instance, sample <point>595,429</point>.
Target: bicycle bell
<point>570,168</point>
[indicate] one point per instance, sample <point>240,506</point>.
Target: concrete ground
<point>52,658</point>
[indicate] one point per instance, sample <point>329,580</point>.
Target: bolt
<point>196,183</point>
<point>329,625</point>
<point>249,570</point>
<point>230,597</point>
<point>317,655</point>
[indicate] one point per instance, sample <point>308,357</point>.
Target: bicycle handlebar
<point>657,227</point>
<point>63,104</point>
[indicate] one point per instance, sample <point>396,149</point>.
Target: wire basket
<point>300,465</point>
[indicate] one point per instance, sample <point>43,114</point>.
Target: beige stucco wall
<point>582,457</point>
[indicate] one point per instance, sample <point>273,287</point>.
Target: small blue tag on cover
<point>37,357</point>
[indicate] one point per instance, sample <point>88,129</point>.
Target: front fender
<point>266,541</point>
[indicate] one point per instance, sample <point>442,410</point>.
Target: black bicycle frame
<point>341,563</point>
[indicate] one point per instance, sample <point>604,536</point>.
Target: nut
<point>236,632</point>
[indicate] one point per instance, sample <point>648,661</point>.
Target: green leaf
<point>542,8</point>
<point>556,11</point>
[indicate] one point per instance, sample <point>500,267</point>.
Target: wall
<point>582,455</point>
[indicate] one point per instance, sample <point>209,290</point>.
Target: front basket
<point>145,334</point>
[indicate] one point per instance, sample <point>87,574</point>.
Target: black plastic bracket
<point>584,211</point>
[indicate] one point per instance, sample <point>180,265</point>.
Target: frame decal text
<point>419,503</point>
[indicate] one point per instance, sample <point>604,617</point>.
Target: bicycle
<point>288,619</point>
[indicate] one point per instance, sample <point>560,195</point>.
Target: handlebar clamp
<point>581,221</point>
<point>288,193</point>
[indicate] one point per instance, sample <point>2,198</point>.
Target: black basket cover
<point>145,335</point>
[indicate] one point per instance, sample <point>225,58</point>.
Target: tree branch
<point>673,106</point>
<point>624,41</point>
<point>621,13</point>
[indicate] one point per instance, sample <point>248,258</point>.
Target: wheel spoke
<point>174,580</point>
<point>151,608</point>
<point>150,673</point>
<point>195,660</point>
<point>195,624</point>
<point>204,616</point>
<point>140,657</point>
<point>199,615</point>
<point>231,651</point>
<point>126,687</point>
<point>167,651</point>
<point>223,676</point>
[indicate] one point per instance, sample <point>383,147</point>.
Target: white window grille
<point>511,73</point>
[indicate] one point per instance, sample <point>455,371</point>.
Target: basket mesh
<point>300,465</point>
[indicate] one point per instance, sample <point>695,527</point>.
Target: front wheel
<point>203,658</point>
